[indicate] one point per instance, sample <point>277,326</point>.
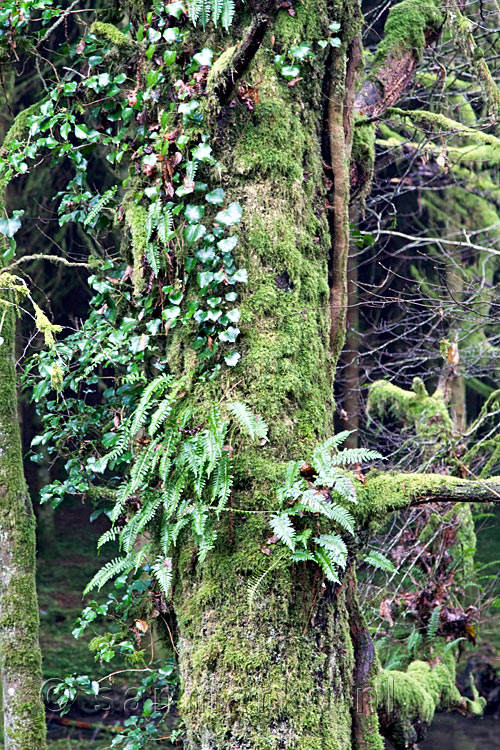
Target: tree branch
<point>223,80</point>
<point>410,27</point>
<point>388,492</point>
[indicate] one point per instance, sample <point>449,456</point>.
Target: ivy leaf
<point>241,275</point>
<point>233,315</point>
<point>204,57</point>
<point>194,232</point>
<point>216,196</point>
<point>81,132</point>
<point>230,334</point>
<point>231,215</point>
<point>232,359</point>
<point>8,227</point>
<point>227,244</point>
<point>290,71</point>
<point>301,51</point>
<point>193,213</point>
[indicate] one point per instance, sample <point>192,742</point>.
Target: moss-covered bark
<point>20,658</point>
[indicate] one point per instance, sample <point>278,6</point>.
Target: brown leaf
<point>141,626</point>
<point>385,611</point>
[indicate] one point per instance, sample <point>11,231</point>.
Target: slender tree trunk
<point>20,657</point>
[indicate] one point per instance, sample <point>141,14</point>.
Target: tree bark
<point>20,657</point>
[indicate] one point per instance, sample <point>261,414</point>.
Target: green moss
<point>20,658</point>
<point>363,155</point>
<point>406,28</point>
<point>428,415</point>
<point>410,698</point>
<point>136,218</point>
<point>114,36</point>
<point>387,491</point>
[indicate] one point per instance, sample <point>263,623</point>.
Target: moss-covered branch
<point>236,60</point>
<point>387,492</point>
<point>410,27</point>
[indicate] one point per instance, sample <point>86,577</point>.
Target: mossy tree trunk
<point>287,671</point>
<point>20,657</point>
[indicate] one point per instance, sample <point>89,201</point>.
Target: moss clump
<point>114,36</point>
<point>408,700</point>
<point>428,415</point>
<point>136,218</point>
<point>406,28</point>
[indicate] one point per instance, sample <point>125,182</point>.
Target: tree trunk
<point>20,657</point>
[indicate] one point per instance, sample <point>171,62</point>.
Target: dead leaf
<point>385,611</point>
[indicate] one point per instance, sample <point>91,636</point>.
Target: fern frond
<point>351,456</point>
<point>109,571</point>
<point>155,388</point>
<point>99,206</point>
<point>433,624</point>
<point>254,426</point>
<point>165,226</point>
<point>413,641</point>
<point>256,583</point>
<point>108,536</point>
<point>162,572</point>
<point>379,561</point>
<point>153,257</point>
<point>335,546</point>
<point>281,525</point>
<point>327,564</point>
<point>227,13</point>
<point>342,517</point>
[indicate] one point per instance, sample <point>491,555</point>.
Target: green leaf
<point>379,561</point>
<point>194,232</point>
<point>231,215</point>
<point>230,334</point>
<point>232,359</point>
<point>227,244</point>
<point>281,525</point>
<point>290,71</point>
<point>327,564</point>
<point>216,196</point>
<point>194,213</point>
<point>204,58</point>
<point>81,132</point>
<point>8,227</point>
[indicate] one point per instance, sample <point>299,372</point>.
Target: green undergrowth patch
<point>63,571</point>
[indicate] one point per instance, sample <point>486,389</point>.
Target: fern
<point>379,561</point>
<point>256,583</point>
<point>413,641</point>
<point>103,201</point>
<point>108,536</point>
<point>162,572</point>
<point>327,563</point>
<point>433,624</point>
<point>283,528</point>
<point>452,644</point>
<point>351,456</point>
<point>220,10</point>
<point>335,546</point>
<point>109,571</point>
<point>254,426</point>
